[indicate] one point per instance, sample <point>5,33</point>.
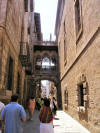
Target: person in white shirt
<point>1,108</point>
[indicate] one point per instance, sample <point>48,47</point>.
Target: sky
<point>47,10</point>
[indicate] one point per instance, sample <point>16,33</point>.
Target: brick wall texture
<point>83,57</point>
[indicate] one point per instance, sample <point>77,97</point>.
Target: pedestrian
<point>13,115</point>
<point>46,117</point>
<point>1,108</point>
<point>31,107</point>
<point>38,104</point>
<point>54,103</point>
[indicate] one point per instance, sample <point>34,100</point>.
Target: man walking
<point>13,115</point>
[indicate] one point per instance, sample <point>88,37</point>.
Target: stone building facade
<point>78,36</point>
<point>53,90</point>
<point>15,45</point>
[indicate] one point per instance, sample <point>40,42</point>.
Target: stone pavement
<point>32,126</point>
<point>63,123</point>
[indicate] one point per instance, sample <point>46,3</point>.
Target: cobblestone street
<point>63,123</point>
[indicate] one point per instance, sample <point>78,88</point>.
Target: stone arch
<point>39,78</point>
<point>50,78</point>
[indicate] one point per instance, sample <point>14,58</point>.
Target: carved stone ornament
<point>81,109</point>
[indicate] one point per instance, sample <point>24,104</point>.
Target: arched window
<point>46,63</point>
<point>38,63</point>
<point>53,63</point>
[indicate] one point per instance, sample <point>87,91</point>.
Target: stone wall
<point>10,33</point>
<point>82,59</point>
<point>3,7</point>
<point>15,16</point>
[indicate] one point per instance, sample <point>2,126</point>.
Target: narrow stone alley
<point>63,123</point>
<point>51,48</point>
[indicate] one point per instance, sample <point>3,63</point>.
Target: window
<point>66,97</point>
<point>64,28</point>
<point>65,52</point>
<point>78,15</point>
<point>78,18</point>
<point>31,5</point>
<point>28,30</point>
<point>81,95</point>
<point>18,84</point>
<point>10,74</point>
<point>46,63</point>
<point>26,5</point>
<point>65,45</point>
<point>53,63</point>
<point>38,63</point>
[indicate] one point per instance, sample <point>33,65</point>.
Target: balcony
<point>24,57</point>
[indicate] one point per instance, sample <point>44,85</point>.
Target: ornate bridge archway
<point>45,66</point>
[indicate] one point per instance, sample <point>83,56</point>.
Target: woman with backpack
<point>46,118</point>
